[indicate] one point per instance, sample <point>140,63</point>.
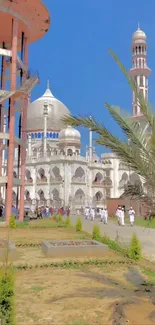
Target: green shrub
<point>114,245</point>
<point>68,222</point>
<point>135,250</point>
<point>12,222</point>
<point>96,233</point>
<point>7,314</point>
<point>60,219</point>
<point>78,225</point>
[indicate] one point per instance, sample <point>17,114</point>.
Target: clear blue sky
<point>74,56</point>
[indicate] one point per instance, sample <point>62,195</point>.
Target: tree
<point>140,154</point>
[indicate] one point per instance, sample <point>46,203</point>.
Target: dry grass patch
<point>91,295</point>
<point>36,235</point>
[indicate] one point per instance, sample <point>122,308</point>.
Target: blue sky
<point>74,55</point>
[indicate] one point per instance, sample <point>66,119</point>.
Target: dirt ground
<point>110,295</point>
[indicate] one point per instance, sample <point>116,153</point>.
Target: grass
<point>145,223</point>
<point>77,296</point>
<point>77,291</point>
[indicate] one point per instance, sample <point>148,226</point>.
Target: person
<point>105,215</point>
<point>131,216</point>
<point>122,216</point>
<point>118,215</point>
<point>92,213</point>
<point>87,213</point>
<point>102,214</point>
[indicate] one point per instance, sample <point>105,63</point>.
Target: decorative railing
<point>29,181</point>
<point>78,180</point>
<point>56,180</point>
<point>42,181</point>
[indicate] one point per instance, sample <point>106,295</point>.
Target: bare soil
<point>111,296</point>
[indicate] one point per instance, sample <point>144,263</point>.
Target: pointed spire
<point>48,84</point>
<point>48,92</point>
<point>138,25</point>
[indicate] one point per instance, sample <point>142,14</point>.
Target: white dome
<point>139,35</point>
<point>56,111</point>
<point>69,134</point>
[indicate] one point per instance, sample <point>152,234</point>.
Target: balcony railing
<point>56,180</point>
<point>42,181</point>
<point>78,180</point>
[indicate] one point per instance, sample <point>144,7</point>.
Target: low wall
<point>139,206</point>
<point>98,249</point>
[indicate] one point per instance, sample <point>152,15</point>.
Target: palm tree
<point>139,154</point>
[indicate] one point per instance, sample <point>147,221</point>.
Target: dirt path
<point>145,235</point>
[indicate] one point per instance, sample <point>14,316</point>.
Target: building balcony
<point>78,180</point>
<point>41,181</point>
<point>28,182</point>
<point>56,180</point>
<point>98,184</point>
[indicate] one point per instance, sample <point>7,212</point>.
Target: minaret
<point>45,127</point>
<point>90,143</point>
<point>139,70</point>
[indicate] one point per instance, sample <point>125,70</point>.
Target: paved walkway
<point>145,235</point>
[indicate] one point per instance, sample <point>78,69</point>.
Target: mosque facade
<point>56,173</point>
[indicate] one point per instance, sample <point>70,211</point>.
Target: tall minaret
<point>139,70</point>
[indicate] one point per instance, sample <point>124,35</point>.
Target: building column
<point>29,146</point>
<point>12,122</point>
<point>23,136</point>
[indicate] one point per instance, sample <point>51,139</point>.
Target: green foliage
<point>96,233</point>
<point>60,219</point>
<point>12,222</point>
<point>135,250</point>
<point>41,224</point>
<point>24,224</point>
<point>7,314</point>
<point>78,225</point>
<point>68,222</point>
<point>114,245</point>
<point>140,154</point>
<point>74,264</point>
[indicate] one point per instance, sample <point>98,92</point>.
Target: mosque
<point>56,173</point>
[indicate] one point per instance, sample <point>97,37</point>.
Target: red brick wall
<point>139,207</point>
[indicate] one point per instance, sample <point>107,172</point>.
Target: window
<point>141,81</point>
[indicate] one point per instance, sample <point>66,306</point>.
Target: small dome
<point>56,111</point>
<point>69,134</point>
<point>139,35</point>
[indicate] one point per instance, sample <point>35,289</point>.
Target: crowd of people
<point>42,212</point>
<point>91,213</point>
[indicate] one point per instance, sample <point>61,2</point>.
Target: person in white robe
<point>118,215</point>
<point>102,214</point>
<point>131,216</point>
<point>92,213</point>
<point>105,213</point>
<point>87,213</point>
<point>122,216</point>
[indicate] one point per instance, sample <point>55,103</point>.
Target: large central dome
<point>56,111</point>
